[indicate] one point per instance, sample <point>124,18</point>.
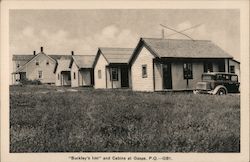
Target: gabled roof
<point>117,55</point>
<point>236,61</point>
<point>182,48</point>
<point>22,57</point>
<point>29,57</point>
<point>83,61</point>
<point>57,57</point>
<point>63,64</point>
<point>34,57</point>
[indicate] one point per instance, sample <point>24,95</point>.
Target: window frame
<point>37,63</point>
<point>188,69</point>
<point>144,71</point>
<point>116,78</point>
<point>40,76</point>
<point>99,73</point>
<point>207,66</point>
<point>232,66</point>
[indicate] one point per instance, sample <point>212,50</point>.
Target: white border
<point>190,157</point>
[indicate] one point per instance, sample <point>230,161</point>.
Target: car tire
<point>222,91</point>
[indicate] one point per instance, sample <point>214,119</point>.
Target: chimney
<point>34,52</point>
<point>41,49</point>
<point>72,53</point>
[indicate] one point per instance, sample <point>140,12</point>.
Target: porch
<point>118,76</point>
<point>65,78</point>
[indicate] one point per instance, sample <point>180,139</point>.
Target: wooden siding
<point>113,84</point>
<point>226,65</point>
<point>129,78</point>
<point>32,69</point>
<point>178,81</point>
<point>142,84</point>
<point>158,76</point>
<point>74,69</point>
<point>100,65</point>
<point>236,66</point>
<point>63,78</point>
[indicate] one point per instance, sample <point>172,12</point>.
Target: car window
<point>227,77</point>
<point>207,77</point>
<point>219,77</point>
<point>234,78</point>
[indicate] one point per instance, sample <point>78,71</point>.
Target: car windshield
<point>207,77</point>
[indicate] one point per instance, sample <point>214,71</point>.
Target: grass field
<point>51,119</point>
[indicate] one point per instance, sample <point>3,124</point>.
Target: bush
<point>30,82</point>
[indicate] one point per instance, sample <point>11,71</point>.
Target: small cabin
<point>82,72</point>
<point>62,71</point>
<point>174,64</point>
<point>34,66</point>
<point>111,68</point>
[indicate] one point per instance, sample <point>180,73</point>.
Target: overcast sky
<point>83,31</point>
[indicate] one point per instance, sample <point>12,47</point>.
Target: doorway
<point>22,76</point>
<point>167,76</point>
<point>124,77</point>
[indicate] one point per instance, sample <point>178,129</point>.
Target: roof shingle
<point>29,57</point>
<point>117,55</point>
<point>84,61</point>
<point>181,48</point>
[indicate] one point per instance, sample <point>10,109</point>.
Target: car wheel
<point>221,91</point>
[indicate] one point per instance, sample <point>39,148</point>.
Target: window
<point>99,74</point>
<point>144,71</point>
<point>114,74</point>
<point>40,74</point>
<point>58,77</point>
<point>188,71</point>
<point>222,77</point>
<point>37,62</point>
<point>219,77</point>
<point>234,78</point>
<point>232,69</point>
<point>74,75</point>
<point>208,67</point>
<point>18,65</point>
<point>47,63</point>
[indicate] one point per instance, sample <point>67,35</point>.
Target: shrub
<point>30,82</point>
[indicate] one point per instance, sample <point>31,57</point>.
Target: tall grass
<point>106,120</point>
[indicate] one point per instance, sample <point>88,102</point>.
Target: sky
<point>83,31</point>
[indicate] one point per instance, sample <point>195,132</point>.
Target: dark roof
<point>57,57</point>
<point>183,48</point>
<point>63,65</point>
<point>22,57</point>
<point>83,61</point>
<point>117,55</point>
<point>29,57</point>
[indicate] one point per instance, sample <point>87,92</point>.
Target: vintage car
<point>219,83</point>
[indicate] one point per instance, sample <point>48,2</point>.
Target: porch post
<point>154,74</point>
<point>78,77</point>
<point>111,77</point>
<point>162,77</point>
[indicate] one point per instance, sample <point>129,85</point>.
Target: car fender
<point>217,88</point>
